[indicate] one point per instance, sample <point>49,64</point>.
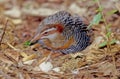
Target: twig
<point>88,66</point>
<point>12,47</point>
<point>3,32</point>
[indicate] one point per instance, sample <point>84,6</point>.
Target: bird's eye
<point>45,33</point>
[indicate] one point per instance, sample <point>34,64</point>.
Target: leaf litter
<point>19,61</point>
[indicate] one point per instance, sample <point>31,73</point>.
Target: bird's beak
<point>36,42</point>
<point>37,36</point>
<point>35,39</point>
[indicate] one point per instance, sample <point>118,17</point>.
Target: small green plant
<point>97,18</point>
<point>103,44</point>
<point>100,16</point>
<point>27,43</point>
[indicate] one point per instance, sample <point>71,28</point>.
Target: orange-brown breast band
<point>66,45</point>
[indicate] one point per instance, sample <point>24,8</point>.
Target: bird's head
<point>51,30</point>
<point>51,33</point>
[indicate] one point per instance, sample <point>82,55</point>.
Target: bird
<point>62,32</point>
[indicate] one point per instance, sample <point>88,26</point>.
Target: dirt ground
<point>19,20</point>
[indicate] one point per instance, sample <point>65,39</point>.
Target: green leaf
<point>108,30</point>
<point>108,26</point>
<point>97,18</point>
<point>108,34</point>
<point>95,0</point>
<point>105,43</point>
<point>111,12</point>
<point>100,9</point>
<point>27,43</point>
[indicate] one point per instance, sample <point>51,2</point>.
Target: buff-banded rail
<point>63,32</point>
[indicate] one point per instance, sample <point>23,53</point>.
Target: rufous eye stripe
<point>59,27</point>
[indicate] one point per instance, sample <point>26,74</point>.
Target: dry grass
<point>20,62</point>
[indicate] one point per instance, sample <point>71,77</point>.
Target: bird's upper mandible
<point>63,32</point>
